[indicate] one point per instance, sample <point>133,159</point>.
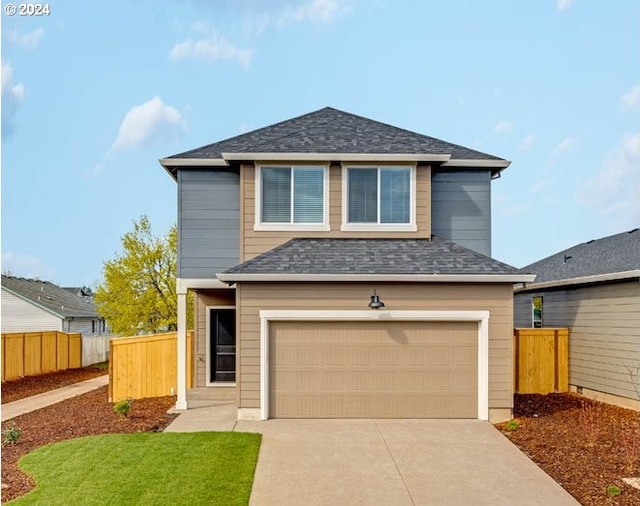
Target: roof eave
<point>582,280</point>
<point>367,278</point>
<point>171,165</point>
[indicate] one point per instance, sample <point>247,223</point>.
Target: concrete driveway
<point>394,462</point>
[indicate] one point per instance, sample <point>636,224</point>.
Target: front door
<point>222,345</point>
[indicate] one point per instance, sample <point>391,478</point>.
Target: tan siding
<point>495,298</point>
<point>257,242</point>
<point>604,338</point>
<point>204,298</point>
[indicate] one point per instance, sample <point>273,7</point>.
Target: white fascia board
<point>613,276</point>
<point>192,162</point>
<point>378,278</point>
<point>460,162</point>
<point>344,157</point>
<point>184,284</point>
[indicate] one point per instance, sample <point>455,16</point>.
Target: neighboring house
<point>592,288</point>
<point>341,269</point>
<point>31,305</point>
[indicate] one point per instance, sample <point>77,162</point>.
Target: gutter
<point>232,278</point>
<point>583,280</point>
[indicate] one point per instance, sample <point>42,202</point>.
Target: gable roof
<point>372,259</point>
<point>330,132</point>
<point>52,298</point>
<point>609,258</point>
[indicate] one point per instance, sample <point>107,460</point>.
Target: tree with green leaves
<point>138,293</point>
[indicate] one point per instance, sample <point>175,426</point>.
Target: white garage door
<point>321,369</point>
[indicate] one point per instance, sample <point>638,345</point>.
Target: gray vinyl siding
<point>461,208</point>
<point>209,221</point>
<point>604,336</point>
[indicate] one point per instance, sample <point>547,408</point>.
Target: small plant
<point>12,434</point>
<point>513,424</point>
<point>614,490</point>
<point>123,407</point>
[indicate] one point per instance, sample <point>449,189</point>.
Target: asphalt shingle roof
<point>372,256</point>
<point>330,130</point>
<point>43,293</point>
<point>615,253</point>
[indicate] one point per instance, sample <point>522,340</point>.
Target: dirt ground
<point>14,390</point>
<point>85,415</point>
<point>585,446</point>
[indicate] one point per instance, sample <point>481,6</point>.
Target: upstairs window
<point>379,195</point>
<point>536,312</point>
<point>292,195</point>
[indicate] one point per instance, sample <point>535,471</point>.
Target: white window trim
<point>378,227</point>
<point>293,227</point>
<point>481,317</point>
<point>208,382</point>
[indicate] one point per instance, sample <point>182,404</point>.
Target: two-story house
<point>342,269</point>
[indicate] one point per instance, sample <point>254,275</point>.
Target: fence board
<point>33,353</point>
<point>146,366</point>
<point>541,360</point>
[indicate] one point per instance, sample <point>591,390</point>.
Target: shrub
<point>12,434</point>
<point>123,407</point>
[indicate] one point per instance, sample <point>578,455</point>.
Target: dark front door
<point>222,345</point>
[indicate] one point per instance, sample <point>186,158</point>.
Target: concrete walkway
<point>17,408</point>
<point>399,462</point>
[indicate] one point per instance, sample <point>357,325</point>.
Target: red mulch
<point>585,446</point>
<point>14,390</point>
<point>85,415</point>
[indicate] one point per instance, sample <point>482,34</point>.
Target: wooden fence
<point>541,360</point>
<point>146,366</point>
<point>32,353</point>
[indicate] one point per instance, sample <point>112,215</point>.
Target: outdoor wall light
<point>375,303</point>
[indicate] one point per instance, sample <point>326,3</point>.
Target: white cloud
<point>504,127</point>
<point>25,266</point>
<point>631,100</point>
<point>28,41</point>
<point>527,142</point>
<point>147,123</point>
<point>615,189</point>
<point>213,47</point>
<point>12,95</point>
<point>564,5</point>
<point>565,145</point>
<point>315,11</point>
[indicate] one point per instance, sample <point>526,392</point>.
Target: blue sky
<point>96,92</point>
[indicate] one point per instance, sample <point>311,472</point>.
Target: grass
<point>144,468</point>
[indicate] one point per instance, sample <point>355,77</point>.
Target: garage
<point>373,369</point>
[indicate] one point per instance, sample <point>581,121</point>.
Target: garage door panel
<point>373,369</point>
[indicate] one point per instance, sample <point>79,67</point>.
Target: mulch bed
<point>585,446</point>
<point>85,415</point>
<point>14,390</point>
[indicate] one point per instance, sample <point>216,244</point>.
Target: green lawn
<point>144,468</point>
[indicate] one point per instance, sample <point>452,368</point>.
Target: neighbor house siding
<point>497,298</point>
<point>461,208</point>
<point>604,326</point>
<point>208,221</point>
<point>19,315</point>
<point>256,242</point>
<point>204,299</point>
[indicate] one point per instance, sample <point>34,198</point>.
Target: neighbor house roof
<point>609,258</point>
<point>372,259</point>
<point>52,298</point>
<point>328,133</point>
